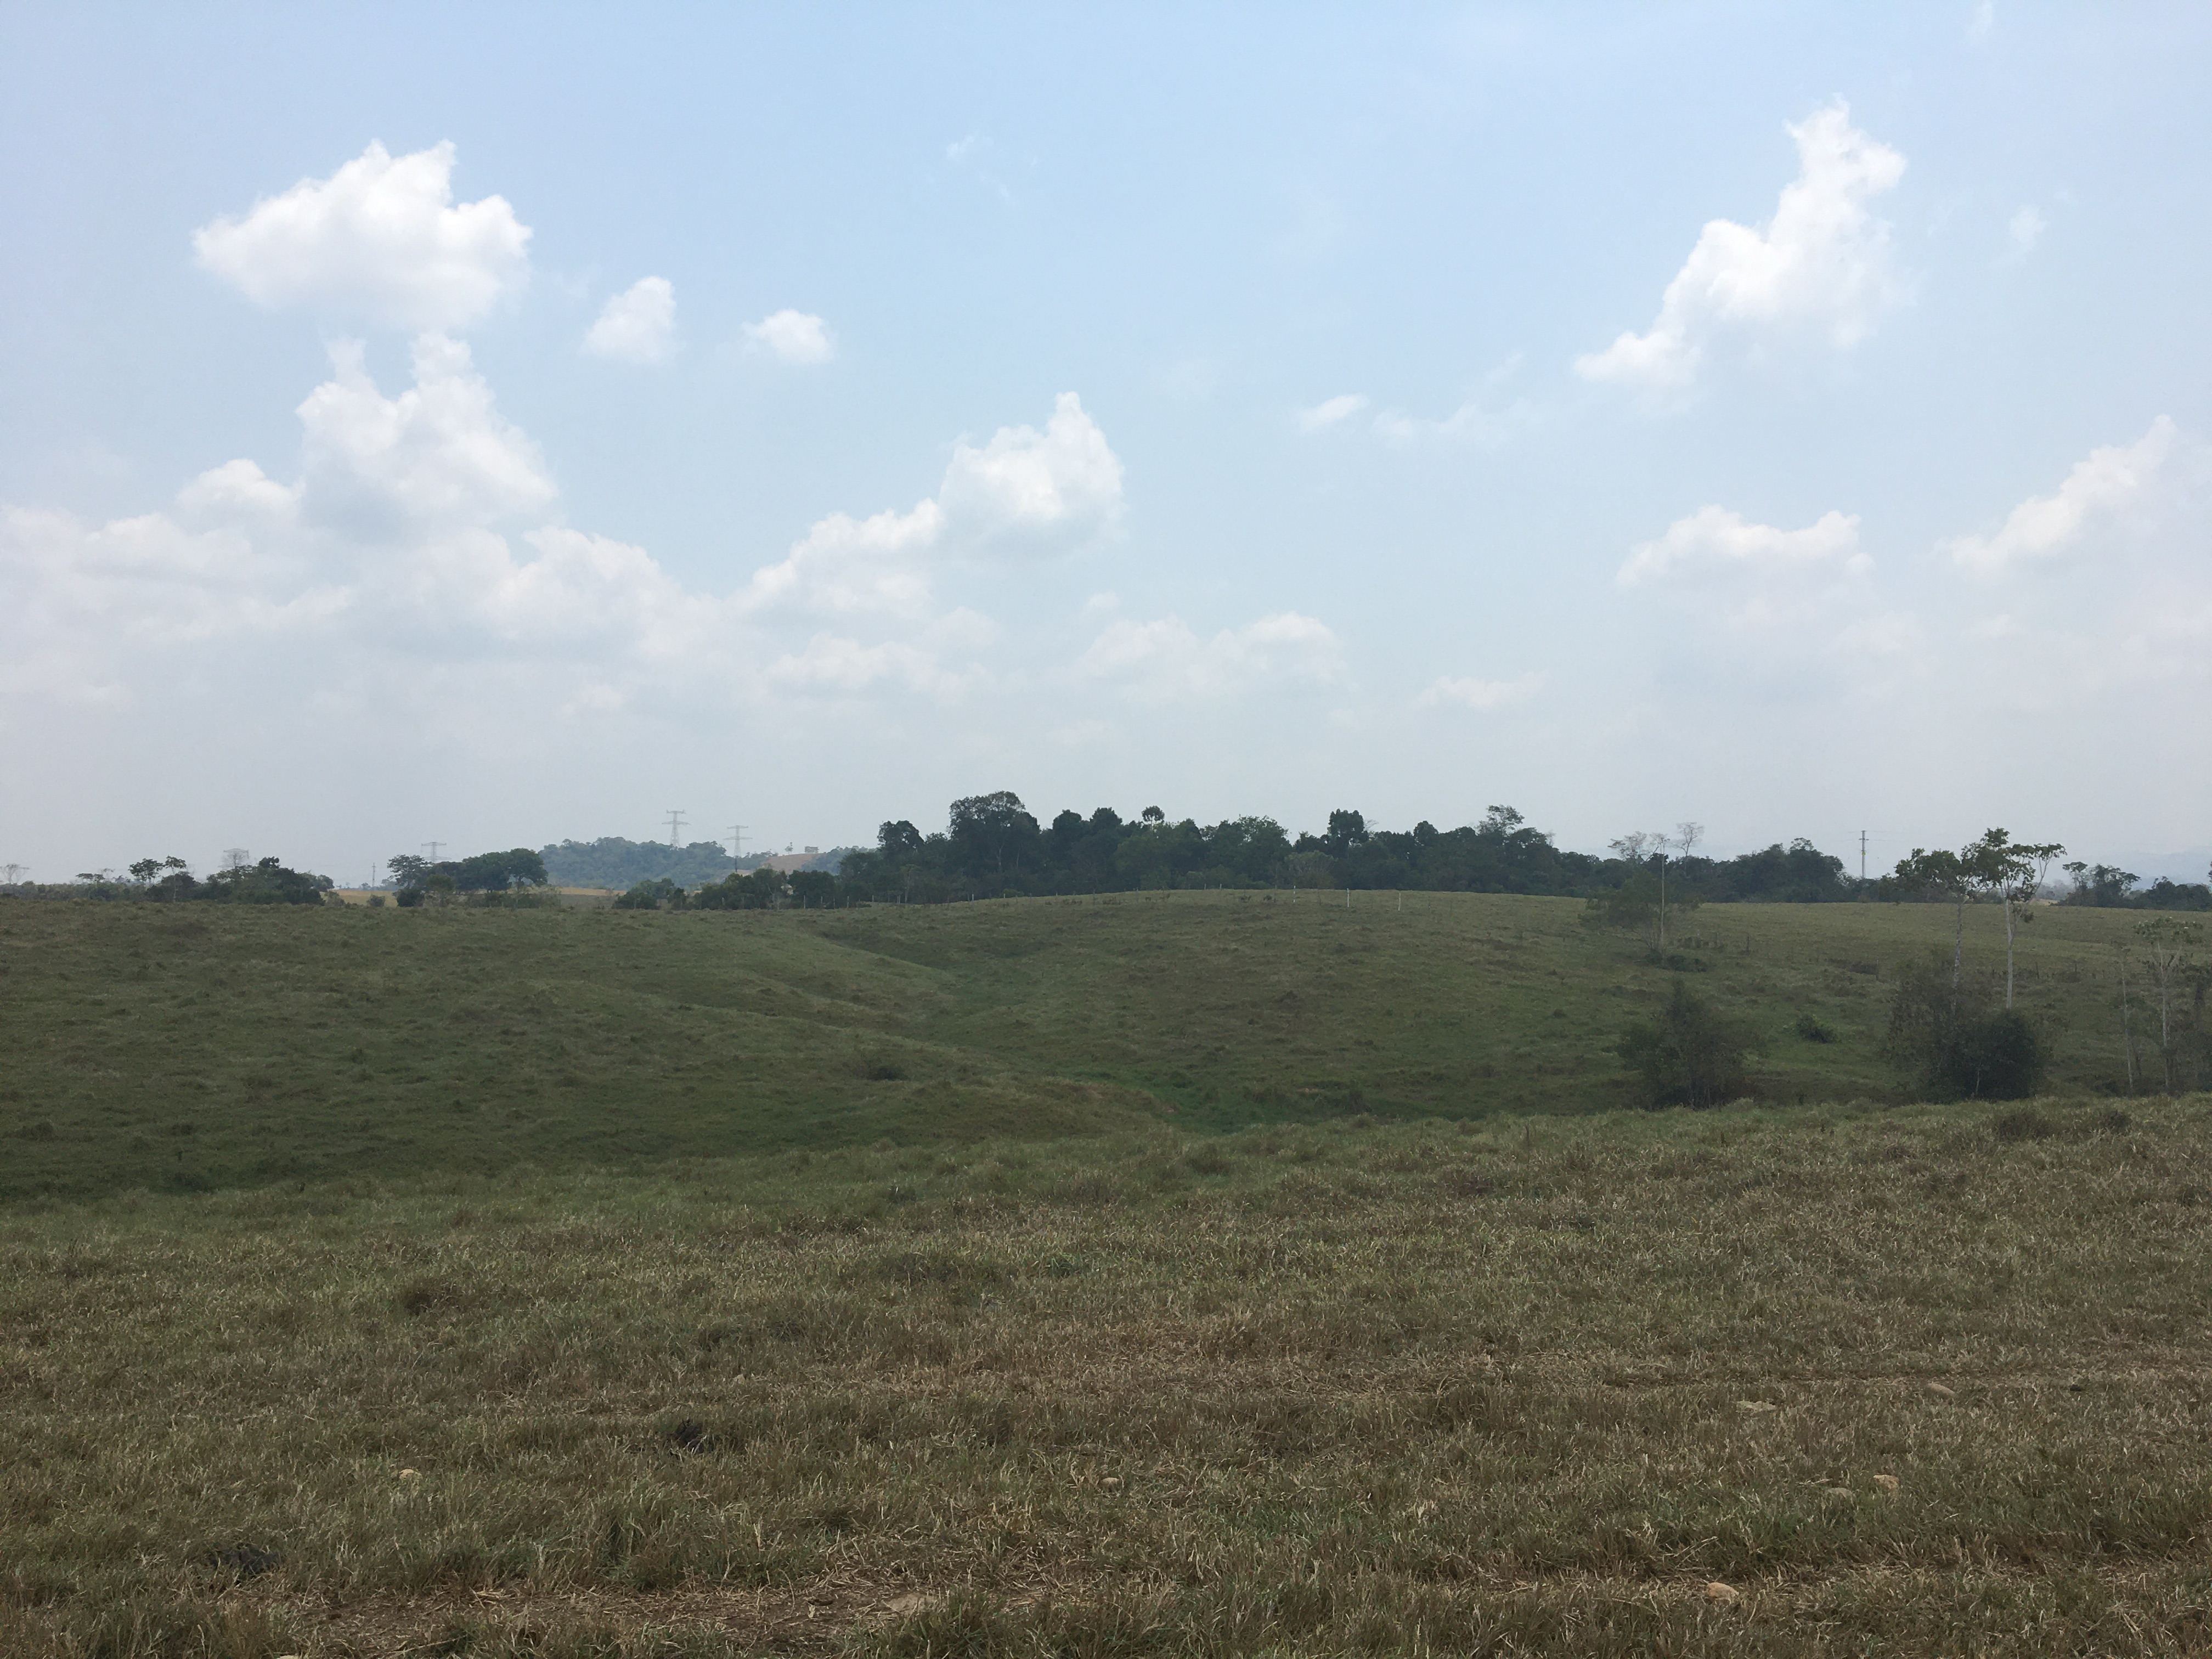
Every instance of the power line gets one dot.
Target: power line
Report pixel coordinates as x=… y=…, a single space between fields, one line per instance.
x=675 y=827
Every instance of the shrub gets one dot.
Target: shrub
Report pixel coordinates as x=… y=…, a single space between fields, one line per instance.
x=1691 y=1055
x=1812 y=1029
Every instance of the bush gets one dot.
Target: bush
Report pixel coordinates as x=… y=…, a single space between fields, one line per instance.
x=1962 y=1046
x=1691 y=1055
x=1814 y=1029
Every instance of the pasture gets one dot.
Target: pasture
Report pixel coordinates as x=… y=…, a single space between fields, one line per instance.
x=1172 y=1276
x=194 y=1047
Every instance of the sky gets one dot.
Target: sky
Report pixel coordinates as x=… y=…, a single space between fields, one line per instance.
x=501 y=424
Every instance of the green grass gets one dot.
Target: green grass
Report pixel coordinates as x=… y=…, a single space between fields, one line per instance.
x=1906 y=1381
x=1200 y=1274
x=190 y=1048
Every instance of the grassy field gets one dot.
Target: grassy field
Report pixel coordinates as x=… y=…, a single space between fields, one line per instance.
x=1194 y=1275
x=1820 y=1382
x=190 y=1048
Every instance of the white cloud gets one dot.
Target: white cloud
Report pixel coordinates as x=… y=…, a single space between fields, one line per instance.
x=1821 y=265
x=1024 y=491
x=1035 y=491
x=2045 y=526
x=439 y=454
x=1164 y=661
x=1982 y=22
x=1713 y=538
x=845 y=564
x=380 y=239
x=1484 y=696
x=2026 y=229
x=796 y=336
x=1330 y=411
x=637 y=326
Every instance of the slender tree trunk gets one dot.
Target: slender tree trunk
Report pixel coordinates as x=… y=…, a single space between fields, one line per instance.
x=2127 y=1027
x=2009 y=933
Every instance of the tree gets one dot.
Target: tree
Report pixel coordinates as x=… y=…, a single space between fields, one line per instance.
x=1940 y=875
x=994 y=827
x=409 y=871
x=1944 y=1030
x=1641 y=847
x=495 y=872
x=2014 y=871
x=2103 y=884
x=2169 y=944
x=1346 y=830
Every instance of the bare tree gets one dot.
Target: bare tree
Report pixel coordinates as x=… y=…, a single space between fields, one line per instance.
x=2169 y=944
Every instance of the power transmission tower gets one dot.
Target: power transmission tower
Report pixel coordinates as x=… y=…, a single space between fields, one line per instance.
x=737 y=842
x=1862 y=858
x=675 y=827
x=432 y=847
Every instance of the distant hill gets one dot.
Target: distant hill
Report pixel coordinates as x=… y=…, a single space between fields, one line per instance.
x=611 y=862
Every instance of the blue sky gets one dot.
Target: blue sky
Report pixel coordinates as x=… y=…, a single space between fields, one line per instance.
x=511 y=423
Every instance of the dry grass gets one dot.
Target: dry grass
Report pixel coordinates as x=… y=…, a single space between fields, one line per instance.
x=1519 y=1387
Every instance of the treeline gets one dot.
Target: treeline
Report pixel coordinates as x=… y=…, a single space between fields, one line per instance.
x=2108 y=886
x=992 y=844
x=994 y=847
x=171 y=881
x=485 y=875
x=612 y=861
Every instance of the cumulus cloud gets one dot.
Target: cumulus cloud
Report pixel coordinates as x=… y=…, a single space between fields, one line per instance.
x=1485 y=697
x=1023 y=492
x=796 y=336
x=380 y=241
x=2025 y=230
x=637 y=326
x=1714 y=537
x=2046 y=527
x=1027 y=491
x=1164 y=661
x=1328 y=412
x=439 y=454
x=1822 y=266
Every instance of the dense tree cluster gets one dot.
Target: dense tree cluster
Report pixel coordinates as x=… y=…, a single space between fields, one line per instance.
x=171 y=881
x=418 y=878
x=991 y=845
x=2108 y=886
x=613 y=861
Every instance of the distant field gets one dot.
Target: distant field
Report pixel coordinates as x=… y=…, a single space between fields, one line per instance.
x=1884 y=1382
x=192 y=1047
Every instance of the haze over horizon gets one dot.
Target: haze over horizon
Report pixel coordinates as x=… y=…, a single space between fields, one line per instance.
x=509 y=426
